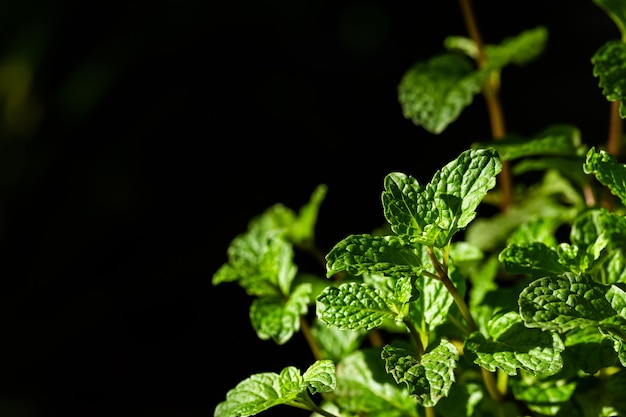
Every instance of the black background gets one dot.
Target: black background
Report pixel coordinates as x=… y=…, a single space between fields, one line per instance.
x=149 y=135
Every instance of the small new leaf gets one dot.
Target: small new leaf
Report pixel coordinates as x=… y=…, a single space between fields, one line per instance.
x=428 y=378
x=298 y=228
x=278 y=319
x=261 y=261
x=431 y=215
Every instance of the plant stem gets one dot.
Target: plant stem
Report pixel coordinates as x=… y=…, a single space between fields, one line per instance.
x=488 y=377
x=613 y=147
x=322 y=412
x=306 y=331
x=614 y=141
x=416 y=336
x=460 y=303
x=492 y=99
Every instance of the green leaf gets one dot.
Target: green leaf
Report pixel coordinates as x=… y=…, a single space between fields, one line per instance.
x=353 y=306
x=572 y=301
x=262 y=391
x=543 y=201
x=321 y=376
x=335 y=343
x=608 y=171
x=544 y=397
x=603 y=397
x=431 y=215
x=609 y=65
x=298 y=228
x=511 y=346
x=261 y=262
x=616 y=267
x=461 y=400
x=589 y=350
x=278 y=319
x=365 y=388
x=428 y=378
x=556 y=140
x=534 y=258
x=431 y=309
x=519 y=50
x=434 y=93
x=537 y=259
x=569 y=168
x=388 y=255
x=540 y=230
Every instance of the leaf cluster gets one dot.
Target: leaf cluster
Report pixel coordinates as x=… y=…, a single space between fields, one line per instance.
x=445 y=311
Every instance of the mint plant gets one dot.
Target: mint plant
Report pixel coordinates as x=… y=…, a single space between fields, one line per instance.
x=498 y=288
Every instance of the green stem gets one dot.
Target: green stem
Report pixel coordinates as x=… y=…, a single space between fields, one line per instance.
x=416 y=336
x=322 y=412
x=614 y=141
x=307 y=403
x=488 y=377
x=503 y=382
x=306 y=331
x=460 y=303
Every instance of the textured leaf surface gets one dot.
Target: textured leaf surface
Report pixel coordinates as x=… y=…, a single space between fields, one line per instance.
x=261 y=262
x=607 y=170
x=321 y=376
x=533 y=258
x=512 y=346
x=609 y=65
x=388 y=255
x=279 y=319
x=572 y=301
x=430 y=377
x=434 y=93
x=353 y=306
x=431 y=215
x=597 y=224
x=262 y=391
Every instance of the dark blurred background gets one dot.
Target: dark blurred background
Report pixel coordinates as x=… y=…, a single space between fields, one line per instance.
x=138 y=139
